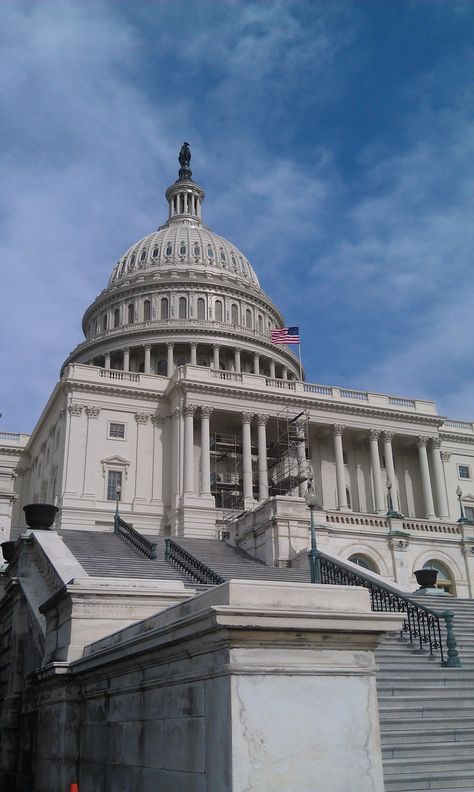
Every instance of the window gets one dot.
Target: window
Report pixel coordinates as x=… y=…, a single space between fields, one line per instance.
x=132 y=261
x=182 y=307
x=116 y=317
x=260 y=324
x=131 y=313
x=196 y=250
x=363 y=561
x=164 y=308
x=469 y=513
x=464 y=471
x=117 y=430
x=348 y=498
x=210 y=252
x=155 y=253
x=143 y=255
x=248 y=318
x=222 y=256
x=201 y=308
x=182 y=249
x=218 y=311
x=104 y=323
x=234 y=263
x=162 y=368
x=169 y=250
x=234 y=313
x=114 y=480
x=146 y=310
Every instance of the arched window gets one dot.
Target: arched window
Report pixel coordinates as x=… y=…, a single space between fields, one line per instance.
x=210 y=252
x=196 y=250
x=182 y=308
x=164 y=308
x=201 y=308
x=104 y=323
x=260 y=323
x=234 y=263
x=248 y=318
x=143 y=255
x=222 y=256
x=116 y=317
x=364 y=562
x=155 y=253
x=131 y=313
x=162 y=368
x=169 y=250
x=234 y=314
x=218 y=311
x=445 y=578
x=146 y=310
x=182 y=249
x=132 y=262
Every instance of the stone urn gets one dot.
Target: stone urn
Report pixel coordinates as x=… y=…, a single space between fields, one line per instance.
x=40 y=515
x=8 y=550
x=426 y=578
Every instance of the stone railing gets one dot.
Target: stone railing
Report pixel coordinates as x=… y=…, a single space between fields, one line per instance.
x=14 y=437
x=464 y=426
x=366 y=520
x=432 y=527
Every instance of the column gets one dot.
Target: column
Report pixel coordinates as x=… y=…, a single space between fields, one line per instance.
x=247 y=456
x=126 y=358
x=422 y=442
x=379 y=500
x=272 y=369
x=439 y=482
x=256 y=364
x=445 y=458
x=262 y=458
x=217 y=364
x=237 y=359
x=175 y=455
x=147 y=358
x=387 y=438
x=284 y=373
x=157 y=473
x=107 y=360
x=193 y=354
x=189 y=411
x=143 y=452
x=90 y=466
x=205 y=451
x=340 y=475
x=170 y=362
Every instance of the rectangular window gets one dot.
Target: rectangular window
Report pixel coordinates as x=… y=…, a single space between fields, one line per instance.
x=114 y=480
x=464 y=471
x=469 y=512
x=117 y=430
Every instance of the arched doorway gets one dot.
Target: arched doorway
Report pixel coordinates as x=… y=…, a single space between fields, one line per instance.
x=445 y=579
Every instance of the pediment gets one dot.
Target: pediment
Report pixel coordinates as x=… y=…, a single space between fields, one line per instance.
x=115 y=460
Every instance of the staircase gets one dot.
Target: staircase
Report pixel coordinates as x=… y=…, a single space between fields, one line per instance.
x=427 y=711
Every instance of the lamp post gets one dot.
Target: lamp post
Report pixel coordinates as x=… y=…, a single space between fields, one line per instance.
x=391 y=511
x=118 y=490
x=462 y=519
x=311 y=502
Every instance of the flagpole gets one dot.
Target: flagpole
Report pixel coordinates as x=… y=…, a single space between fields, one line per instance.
x=299 y=355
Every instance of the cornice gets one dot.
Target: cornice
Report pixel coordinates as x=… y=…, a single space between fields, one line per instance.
x=455 y=438
x=11 y=450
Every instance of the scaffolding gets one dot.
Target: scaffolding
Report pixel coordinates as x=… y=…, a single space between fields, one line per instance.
x=288 y=463
x=289 y=467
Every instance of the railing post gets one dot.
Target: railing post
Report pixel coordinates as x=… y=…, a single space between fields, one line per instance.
x=167 y=550
x=153 y=554
x=453 y=660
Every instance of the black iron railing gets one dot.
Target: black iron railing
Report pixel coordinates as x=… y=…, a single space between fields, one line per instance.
x=194 y=568
x=421 y=627
x=133 y=538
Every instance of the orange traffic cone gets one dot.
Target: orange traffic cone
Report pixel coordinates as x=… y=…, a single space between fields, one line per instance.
x=74 y=788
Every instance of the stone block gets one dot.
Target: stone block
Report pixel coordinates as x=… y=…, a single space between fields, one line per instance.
x=178 y=701
x=125 y=706
x=122 y=779
x=166 y=781
x=152 y=741
x=124 y=743
x=183 y=744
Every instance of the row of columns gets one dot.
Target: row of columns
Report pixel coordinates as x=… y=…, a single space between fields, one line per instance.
x=193 y=360
x=380 y=506
x=189 y=411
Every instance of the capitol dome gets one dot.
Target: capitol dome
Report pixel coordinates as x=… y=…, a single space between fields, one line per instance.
x=183 y=294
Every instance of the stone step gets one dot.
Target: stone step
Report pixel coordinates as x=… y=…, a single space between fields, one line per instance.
x=423 y=692
x=391 y=721
x=438 y=749
x=435 y=734
x=439 y=780
x=430 y=765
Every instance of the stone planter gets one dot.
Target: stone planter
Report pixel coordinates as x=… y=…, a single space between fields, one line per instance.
x=40 y=515
x=8 y=550
x=426 y=578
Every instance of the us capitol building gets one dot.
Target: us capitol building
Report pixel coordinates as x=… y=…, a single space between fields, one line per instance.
x=178 y=406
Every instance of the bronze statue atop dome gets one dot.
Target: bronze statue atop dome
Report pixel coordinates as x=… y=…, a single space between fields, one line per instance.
x=184 y=157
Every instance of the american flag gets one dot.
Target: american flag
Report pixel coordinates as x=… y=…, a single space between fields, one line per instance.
x=286 y=335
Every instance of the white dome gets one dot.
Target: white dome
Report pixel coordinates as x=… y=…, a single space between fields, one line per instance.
x=183 y=245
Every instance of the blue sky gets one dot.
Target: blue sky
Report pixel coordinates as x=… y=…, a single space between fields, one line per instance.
x=335 y=143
